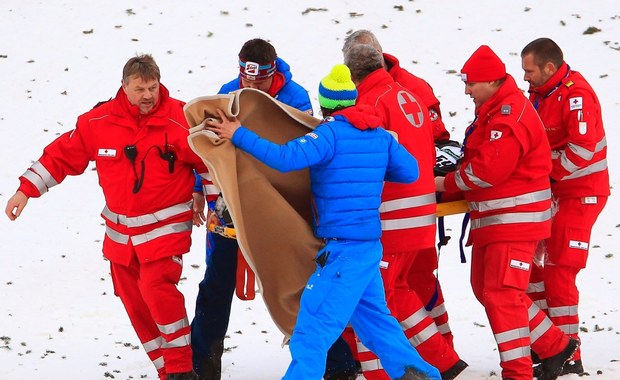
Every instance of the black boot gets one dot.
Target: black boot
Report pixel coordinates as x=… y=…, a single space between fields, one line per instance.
x=413 y=374
x=552 y=367
x=211 y=368
x=452 y=372
x=573 y=366
x=191 y=375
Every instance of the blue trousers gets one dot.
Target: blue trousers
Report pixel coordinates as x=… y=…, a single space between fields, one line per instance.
x=347 y=287
x=213 y=305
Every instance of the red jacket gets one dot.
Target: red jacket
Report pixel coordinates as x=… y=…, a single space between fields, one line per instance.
x=504 y=172
x=407 y=211
x=571 y=113
x=421 y=88
x=154 y=221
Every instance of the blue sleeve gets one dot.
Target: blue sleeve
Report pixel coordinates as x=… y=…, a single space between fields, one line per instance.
x=402 y=166
x=305 y=151
x=198 y=183
x=296 y=96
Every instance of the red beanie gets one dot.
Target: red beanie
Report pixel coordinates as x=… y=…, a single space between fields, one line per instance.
x=483 y=66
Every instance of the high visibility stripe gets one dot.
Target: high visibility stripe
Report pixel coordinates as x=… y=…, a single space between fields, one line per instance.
x=162 y=231
x=515 y=353
x=583 y=152
x=409 y=202
x=210 y=189
x=181 y=341
x=116 y=236
x=44 y=174
x=361 y=347
x=437 y=311
x=159 y=362
x=542 y=304
x=424 y=335
x=469 y=173
x=413 y=319
x=151 y=235
x=570 y=329
x=535 y=287
x=540 y=330
x=153 y=344
x=511 y=335
x=521 y=217
x=371 y=365
x=36 y=181
x=460 y=183
x=146 y=219
x=523 y=199
x=563 y=311
x=174 y=326
x=444 y=328
x=416 y=221
x=594 y=168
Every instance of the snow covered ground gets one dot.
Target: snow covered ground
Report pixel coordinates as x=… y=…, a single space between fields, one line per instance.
x=58 y=315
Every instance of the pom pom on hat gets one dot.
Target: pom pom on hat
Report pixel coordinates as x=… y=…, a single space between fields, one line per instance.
x=483 y=66
x=337 y=90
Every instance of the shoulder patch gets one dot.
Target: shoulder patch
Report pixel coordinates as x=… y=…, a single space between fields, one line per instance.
x=569 y=83
x=313 y=135
x=506 y=109
x=576 y=103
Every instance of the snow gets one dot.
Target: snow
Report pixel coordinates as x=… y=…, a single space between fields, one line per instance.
x=59 y=317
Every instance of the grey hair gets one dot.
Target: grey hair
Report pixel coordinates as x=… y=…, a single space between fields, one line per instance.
x=361 y=36
x=362 y=60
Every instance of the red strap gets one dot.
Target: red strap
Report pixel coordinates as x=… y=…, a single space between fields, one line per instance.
x=245 y=289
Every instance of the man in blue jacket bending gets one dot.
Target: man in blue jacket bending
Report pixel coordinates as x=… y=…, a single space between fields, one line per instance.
x=259 y=68
x=349 y=157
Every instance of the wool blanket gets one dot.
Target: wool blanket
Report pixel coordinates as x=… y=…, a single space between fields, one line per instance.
x=270 y=210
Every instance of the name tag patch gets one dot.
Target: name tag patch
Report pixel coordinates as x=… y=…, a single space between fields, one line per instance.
x=106 y=152
x=520 y=265
x=578 y=244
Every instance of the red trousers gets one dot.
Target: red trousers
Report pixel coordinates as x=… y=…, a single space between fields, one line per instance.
x=500 y=274
x=156 y=310
x=554 y=285
x=397 y=272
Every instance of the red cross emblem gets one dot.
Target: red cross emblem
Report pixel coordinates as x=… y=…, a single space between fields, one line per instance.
x=411 y=108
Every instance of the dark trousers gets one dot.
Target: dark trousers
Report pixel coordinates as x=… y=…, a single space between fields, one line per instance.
x=213 y=305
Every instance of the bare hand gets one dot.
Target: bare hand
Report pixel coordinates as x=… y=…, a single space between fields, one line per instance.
x=15 y=205
x=224 y=129
x=440 y=184
x=198 y=208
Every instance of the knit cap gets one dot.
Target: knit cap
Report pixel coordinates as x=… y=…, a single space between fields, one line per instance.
x=337 y=90
x=483 y=66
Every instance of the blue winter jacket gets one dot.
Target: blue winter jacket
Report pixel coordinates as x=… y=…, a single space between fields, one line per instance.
x=291 y=94
x=349 y=156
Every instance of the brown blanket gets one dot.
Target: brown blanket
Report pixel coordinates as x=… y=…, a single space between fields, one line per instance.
x=270 y=210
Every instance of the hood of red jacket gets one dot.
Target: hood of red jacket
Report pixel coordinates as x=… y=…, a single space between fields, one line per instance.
x=362 y=116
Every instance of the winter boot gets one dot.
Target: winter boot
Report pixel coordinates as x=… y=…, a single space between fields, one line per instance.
x=211 y=368
x=191 y=375
x=413 y=374
x=452 y=372
x=573 y=366
x=342 y=375
x=552 y=367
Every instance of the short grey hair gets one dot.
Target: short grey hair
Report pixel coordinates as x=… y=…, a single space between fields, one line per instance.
x=362 y=60
x=362 y=36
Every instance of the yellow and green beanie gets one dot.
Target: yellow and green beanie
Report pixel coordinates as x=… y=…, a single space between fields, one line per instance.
x=337 y=90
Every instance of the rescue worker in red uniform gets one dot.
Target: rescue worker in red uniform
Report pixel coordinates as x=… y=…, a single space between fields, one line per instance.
x=138 y=141
x=407 y=212
x=422 y=272
x=571 y=113
x=504 y=176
